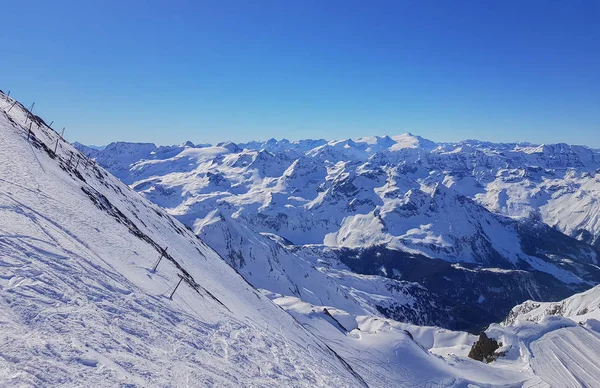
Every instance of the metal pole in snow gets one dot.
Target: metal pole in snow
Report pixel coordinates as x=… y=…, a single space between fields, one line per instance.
x=162 y=254
x=50 y=126
x=29 y=133
x=173 y=293
x=56 y=146
x=62 y=134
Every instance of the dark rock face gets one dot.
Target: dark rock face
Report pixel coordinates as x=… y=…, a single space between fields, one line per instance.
x=484 y=349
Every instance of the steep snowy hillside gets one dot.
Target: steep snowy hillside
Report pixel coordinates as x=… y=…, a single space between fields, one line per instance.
x=81 y=305
x=545 y=347
x=473 y=223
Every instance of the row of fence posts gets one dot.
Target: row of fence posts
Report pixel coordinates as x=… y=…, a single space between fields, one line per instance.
x=181 y=278
x=27 y=118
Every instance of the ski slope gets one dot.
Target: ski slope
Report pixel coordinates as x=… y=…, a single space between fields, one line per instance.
x=557 y=342
x=394 y=354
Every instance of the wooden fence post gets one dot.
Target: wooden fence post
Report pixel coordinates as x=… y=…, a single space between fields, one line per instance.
x=29 y=113
x=13 y=104
x=162 y=254
x=180 y=280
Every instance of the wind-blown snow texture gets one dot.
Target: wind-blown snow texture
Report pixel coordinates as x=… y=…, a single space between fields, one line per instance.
x=355 y=223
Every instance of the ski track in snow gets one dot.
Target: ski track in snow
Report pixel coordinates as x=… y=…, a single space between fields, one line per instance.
x=562 y=358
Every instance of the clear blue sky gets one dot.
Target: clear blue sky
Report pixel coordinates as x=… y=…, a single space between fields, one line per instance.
x=505 y=70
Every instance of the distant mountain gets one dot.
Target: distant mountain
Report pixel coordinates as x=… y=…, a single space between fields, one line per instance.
x=479 y=226
x=91 y=151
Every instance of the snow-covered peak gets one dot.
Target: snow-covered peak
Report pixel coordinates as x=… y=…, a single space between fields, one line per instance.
x=409 y=140
x=187 y=144
x=232 y=147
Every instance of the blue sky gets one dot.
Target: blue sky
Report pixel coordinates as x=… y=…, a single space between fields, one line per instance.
x=167 y=72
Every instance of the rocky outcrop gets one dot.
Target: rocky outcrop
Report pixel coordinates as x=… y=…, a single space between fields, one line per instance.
x=484 y=349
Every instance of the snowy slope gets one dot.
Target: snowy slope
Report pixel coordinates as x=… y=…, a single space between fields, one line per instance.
x=400 y=355
x=554 y=351
x=270 y=265
x=558 y=342
x=79 y=301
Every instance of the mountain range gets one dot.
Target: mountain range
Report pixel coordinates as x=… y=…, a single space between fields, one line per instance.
x=472 y=227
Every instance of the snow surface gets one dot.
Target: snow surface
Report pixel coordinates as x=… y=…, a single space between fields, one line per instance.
x=554 y=351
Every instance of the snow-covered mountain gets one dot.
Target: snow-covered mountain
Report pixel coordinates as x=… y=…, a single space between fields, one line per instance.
x=357 y=223
x=551 y=345
x=81 y=303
